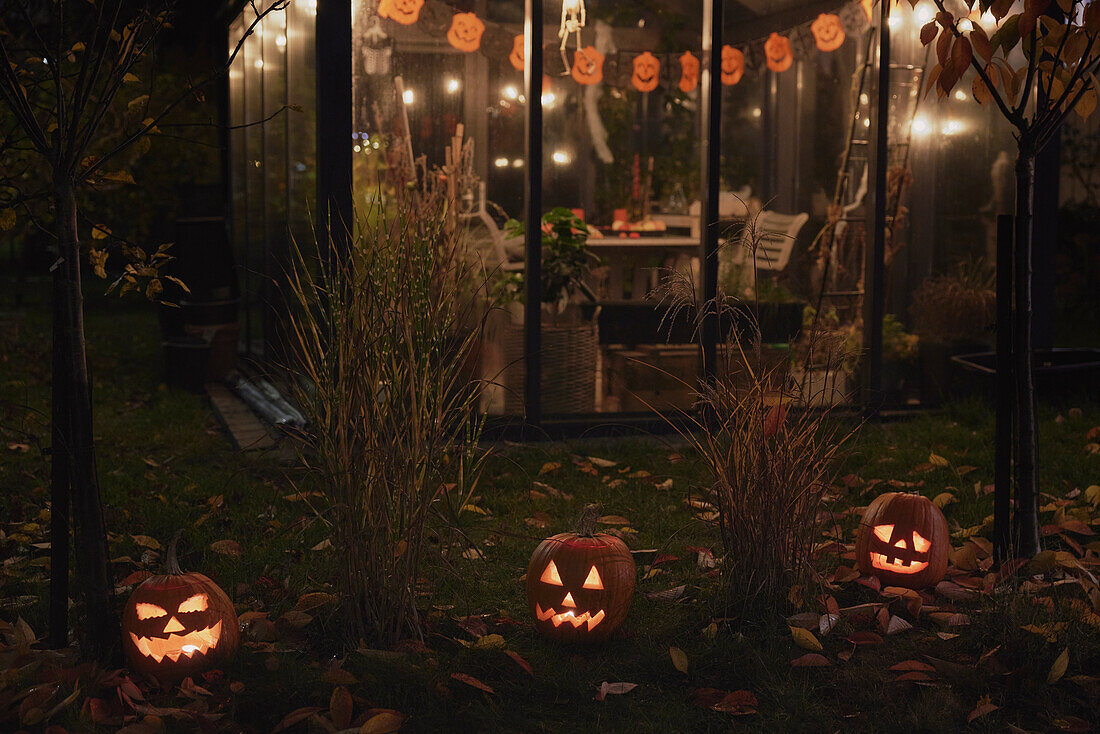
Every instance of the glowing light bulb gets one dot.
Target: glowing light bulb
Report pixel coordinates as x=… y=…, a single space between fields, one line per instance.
x=895 y=21
x=517 y=163
x=501 y=162
x=548 y=99
x=452 y=85
x=408 y=96
x=280 y=41
x=756 y=112
x=561 y=157
x=924 y=13
x=921 y=126
x=960 y=95
x=510 y=92
x=258 y=63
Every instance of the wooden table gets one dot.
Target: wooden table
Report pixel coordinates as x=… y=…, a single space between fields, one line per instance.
x=632 y=263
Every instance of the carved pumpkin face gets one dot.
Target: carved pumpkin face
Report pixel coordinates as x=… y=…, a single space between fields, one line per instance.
x=733 y=65
x=579 y=586
x=689 y=72
x=516 y=57
x=777 y=53
x=647 y=67
x=178 y=625
x=405 y=12
x=903 y=539
x=828 y=33
x=587 y=66
x=465 y=32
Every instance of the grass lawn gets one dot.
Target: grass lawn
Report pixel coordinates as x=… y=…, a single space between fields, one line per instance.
x=165 y=464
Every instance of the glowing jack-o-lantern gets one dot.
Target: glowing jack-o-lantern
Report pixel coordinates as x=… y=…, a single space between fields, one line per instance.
x=903 y=540
x=733 y=65
x=405 y=12
x=777 y=53
x=579 y=584
x=647 y=68
x=587 y=66
x=828 y=33
x=178 y=624
x=689 y=72
x=465 y=32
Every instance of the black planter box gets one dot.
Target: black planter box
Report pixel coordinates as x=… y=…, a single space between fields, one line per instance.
x=632 y=322
x=1060 y=374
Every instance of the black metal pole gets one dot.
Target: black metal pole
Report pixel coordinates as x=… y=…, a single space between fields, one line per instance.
x=532 y=336
x=875 y=307
x=710 y=137
x=333 y=44
x=1002 y=472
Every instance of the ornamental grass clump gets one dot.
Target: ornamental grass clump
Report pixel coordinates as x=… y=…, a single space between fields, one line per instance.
x=383 y=342
x=772 y=460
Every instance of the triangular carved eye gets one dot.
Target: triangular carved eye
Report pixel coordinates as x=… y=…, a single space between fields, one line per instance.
x=550 y=575
x=149 y=611
x=920 y=543
x=196 y=603
x=884 y=532
x=593 y=581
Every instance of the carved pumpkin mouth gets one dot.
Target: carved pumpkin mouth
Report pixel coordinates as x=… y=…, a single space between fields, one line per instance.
x=175 y=646
x=901 y=565
x=570 y=616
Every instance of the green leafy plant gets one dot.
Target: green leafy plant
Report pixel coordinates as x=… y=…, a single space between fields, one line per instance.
x=566 y=259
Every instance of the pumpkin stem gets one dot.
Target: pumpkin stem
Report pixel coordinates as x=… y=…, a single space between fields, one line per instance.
x=172 y=563
x=586 y=523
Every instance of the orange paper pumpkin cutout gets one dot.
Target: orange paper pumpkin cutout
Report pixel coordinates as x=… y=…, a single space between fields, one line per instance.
x=516 y=57
x=828 y=33
x=866 y=5
x=465 y=32
x=587 y=66
x=777 y=52
x=647 y=68
x=733 y=65
x=405 y=12
x=689 y=72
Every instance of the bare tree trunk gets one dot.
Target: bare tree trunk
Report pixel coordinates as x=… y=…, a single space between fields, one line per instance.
x=100 y=638
x=1026 y=528
x=60 y=462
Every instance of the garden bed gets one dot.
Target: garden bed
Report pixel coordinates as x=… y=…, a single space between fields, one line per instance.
x=256 y=526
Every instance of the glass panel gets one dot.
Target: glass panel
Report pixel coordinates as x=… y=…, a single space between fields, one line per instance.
x=237 y=159
x=276 y=117
x=301 y=122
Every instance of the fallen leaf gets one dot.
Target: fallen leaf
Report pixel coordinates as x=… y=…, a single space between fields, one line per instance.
x=521 y=662
x=146 y=541
x=472 y=682
x=984 y=707
x=549 y=467
x=226 y=547
x=805 y=639
x=613 y=520
x=385 y=722
x=614 y=689
x=679 y=659
x=1058 y=669
x=810 y=660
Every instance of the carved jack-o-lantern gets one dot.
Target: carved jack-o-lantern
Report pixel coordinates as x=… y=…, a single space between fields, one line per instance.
x=689 y=72
x=828 y=33
x=516 y=57
x=579 y=584
x=903 y=539
x=405 y=12
x=178 y=625
x=465 y=32
x=647 y=68
x=733 y=65
x=777 y=52
x=587 y=65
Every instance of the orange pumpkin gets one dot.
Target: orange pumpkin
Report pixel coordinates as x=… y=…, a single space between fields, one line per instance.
x=828 y=33
x=465 y=32
x=689 y=72
x=733 y=65
x=866 y=5
x=647 y=68
x=579 y=584
x=903 y=540
x=178 y=625
x=777 y=53
x=516 y=57
x=587 y=66
x=405 y=12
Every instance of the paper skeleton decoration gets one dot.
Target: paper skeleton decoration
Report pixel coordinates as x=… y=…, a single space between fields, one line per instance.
x=573 y=18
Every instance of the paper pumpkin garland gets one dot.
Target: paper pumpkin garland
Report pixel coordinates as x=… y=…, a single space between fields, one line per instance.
x=903 y=540
x=465 y=32
x=587 y=66
x=516 y=56
x=733 y=65
x=689 y=72
x=405 y=12
x=647 y=69
x=777 y=53
x=828 y=32
x=178 y=624
x=579 y=584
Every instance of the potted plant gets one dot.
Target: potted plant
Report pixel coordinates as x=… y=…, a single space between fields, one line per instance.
x=899 y=357
x=570 y=337
x=952 y=314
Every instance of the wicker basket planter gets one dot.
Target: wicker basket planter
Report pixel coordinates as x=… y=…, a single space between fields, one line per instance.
x=570 y=349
